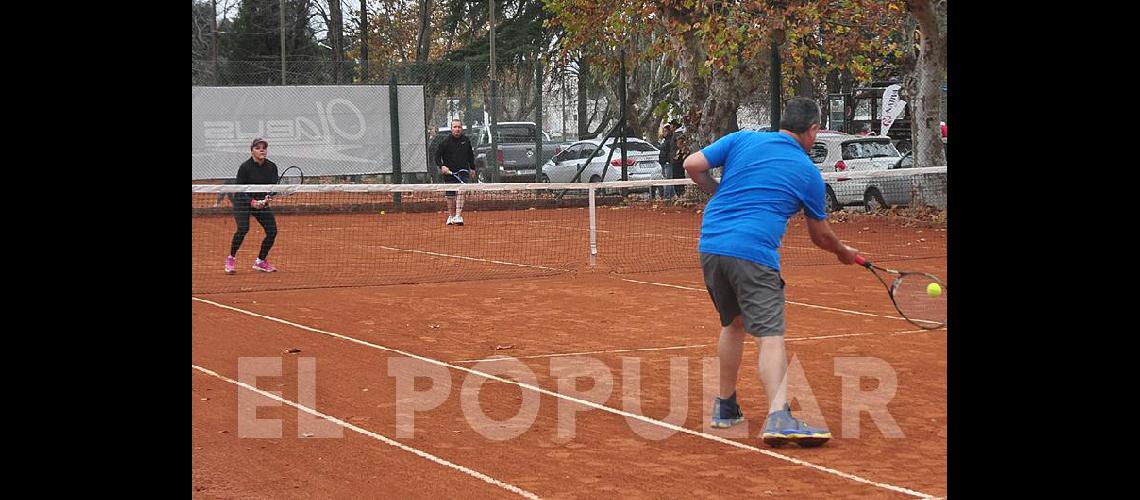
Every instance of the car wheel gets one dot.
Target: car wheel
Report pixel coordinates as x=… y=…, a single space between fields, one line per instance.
x=597 y=178
x=831 y=203
x=873 y=200
x=545 y=178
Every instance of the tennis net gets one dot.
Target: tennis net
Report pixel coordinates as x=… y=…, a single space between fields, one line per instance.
x=336 y=235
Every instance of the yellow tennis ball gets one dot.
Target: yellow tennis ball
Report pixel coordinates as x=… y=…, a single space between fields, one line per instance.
x=381 y=212
x=933 y=290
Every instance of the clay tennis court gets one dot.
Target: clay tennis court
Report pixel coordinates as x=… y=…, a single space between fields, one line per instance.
x=573 y=334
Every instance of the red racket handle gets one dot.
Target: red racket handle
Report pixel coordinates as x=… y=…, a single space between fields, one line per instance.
x=860 y=260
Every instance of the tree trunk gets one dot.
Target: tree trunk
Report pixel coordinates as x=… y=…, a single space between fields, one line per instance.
x=423 y=38
x=931 y=73
x=805 y=87
x=713 y=100
x=693 y=91
x=719 y=110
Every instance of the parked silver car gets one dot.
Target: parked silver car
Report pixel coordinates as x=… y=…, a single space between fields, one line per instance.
x=641 y=159
x=839 y=153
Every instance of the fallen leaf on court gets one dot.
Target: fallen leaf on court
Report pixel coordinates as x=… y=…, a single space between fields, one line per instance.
x=292 y=351
x=433 y=326
x=307 y=434
x=504 y=346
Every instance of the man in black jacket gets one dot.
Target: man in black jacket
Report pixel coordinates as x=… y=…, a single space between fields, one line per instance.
x=456 y=161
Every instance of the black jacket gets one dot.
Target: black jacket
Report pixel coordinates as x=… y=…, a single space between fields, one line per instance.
x=252 y=173
x=456 y=153
x=668 y=149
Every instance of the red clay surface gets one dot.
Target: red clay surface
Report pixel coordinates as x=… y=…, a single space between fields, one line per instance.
x=566 y=313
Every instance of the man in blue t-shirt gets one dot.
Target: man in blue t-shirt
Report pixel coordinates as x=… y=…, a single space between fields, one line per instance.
x=767 y=178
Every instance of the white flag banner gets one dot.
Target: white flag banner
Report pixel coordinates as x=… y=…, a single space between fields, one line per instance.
x=890 y=108
x=895 y=113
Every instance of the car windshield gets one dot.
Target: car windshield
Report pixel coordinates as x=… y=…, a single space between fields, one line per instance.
x=857 y=150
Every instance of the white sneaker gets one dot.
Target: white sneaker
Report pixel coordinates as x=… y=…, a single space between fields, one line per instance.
x=450 y=220
x=457 y=220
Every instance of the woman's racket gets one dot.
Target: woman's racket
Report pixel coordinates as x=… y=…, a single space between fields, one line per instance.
x=919 y=297
x=291 y=175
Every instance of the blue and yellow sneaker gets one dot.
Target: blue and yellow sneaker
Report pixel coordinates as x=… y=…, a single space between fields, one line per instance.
x=726 y=413
x=781 y=428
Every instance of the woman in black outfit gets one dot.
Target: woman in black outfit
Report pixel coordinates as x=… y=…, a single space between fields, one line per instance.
x=256 y=170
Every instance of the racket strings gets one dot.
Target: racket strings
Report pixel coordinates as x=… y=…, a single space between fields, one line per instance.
x=291 y=175
x=917 y=302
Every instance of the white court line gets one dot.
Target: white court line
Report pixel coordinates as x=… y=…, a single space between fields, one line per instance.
x=518 y=242
x=673 y=348
x=583 y=402
x=840 y=335
x=471 y=258
x=476 y=474
x=582 y=353
x=673 y=236
x=846 y=311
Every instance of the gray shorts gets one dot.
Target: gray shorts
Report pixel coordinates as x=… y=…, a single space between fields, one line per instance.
x=745 y=288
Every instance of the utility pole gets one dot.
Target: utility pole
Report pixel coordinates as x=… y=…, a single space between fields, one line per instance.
x=281 y=5
x=493 y=157
x=214 y=36
x=363 y=42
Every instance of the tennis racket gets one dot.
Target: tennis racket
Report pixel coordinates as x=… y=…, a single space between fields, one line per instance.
x=919 y=297
x=455 y=173
x=291 y=175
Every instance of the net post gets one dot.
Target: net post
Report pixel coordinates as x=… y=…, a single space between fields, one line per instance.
x=538 y=161
x=394 y=115
x=593 y=231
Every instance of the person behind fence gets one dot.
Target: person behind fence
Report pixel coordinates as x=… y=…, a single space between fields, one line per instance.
x=665 y=158
x=456 y=162
x=675 y=157
x=767 y=178
x=256 y=170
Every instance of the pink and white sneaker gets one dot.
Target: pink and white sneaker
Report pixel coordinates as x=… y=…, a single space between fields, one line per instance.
x=229 y=264
x=263 y=266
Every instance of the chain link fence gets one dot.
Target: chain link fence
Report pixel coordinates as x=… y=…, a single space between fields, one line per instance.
x=566 y=107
